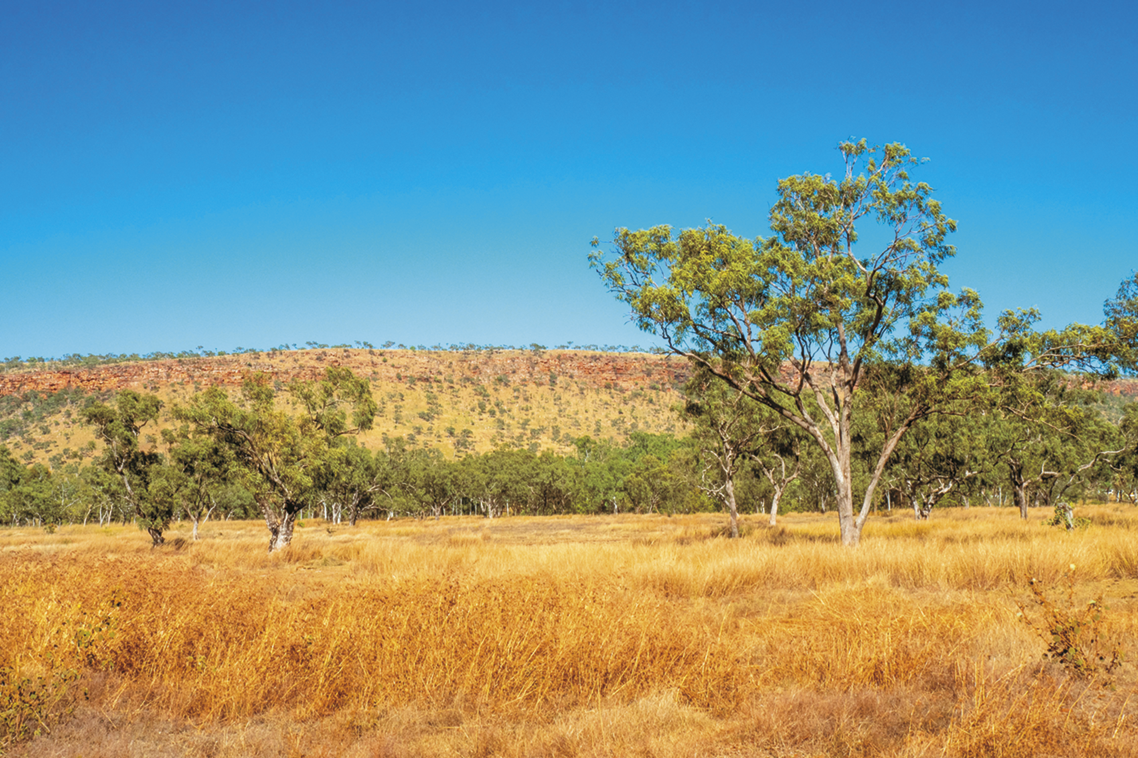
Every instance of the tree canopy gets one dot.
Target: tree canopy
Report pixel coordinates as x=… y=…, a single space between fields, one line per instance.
x=795 y=321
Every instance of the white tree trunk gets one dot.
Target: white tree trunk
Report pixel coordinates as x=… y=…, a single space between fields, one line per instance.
x=280 y=530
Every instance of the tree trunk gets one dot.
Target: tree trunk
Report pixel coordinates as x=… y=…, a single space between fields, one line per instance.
x=774 y=505
x=1020 y=492
x=729 y=497
x=844 y=501
x=155 y=535
x=280 y=529
x=1068 y=516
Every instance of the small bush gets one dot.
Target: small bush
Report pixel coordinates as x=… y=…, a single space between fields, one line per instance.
x=31 y=705
x=1073 y=634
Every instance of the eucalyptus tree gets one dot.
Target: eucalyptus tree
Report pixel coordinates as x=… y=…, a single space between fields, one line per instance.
x=283 y=455
x=28 y=494
x=553 y=482
x=652 y=484
x=1122 y=319
x=435 y=481
x=69 y=492
x=119 y=428
x=937 y=456
x=104 y=495
x=601 y=471
x=779 y=460
x=794 y=321
x=502 y=481
x=730 y=429
x=658 y=472
x=1126 y=466
x=198 y=467
x=1048 y=436
x=10 y=474
x=356 y=479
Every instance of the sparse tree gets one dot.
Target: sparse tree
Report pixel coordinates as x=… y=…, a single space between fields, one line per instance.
x=198 y=467
x=284 y=456
x=729 y=430
x=1122 y=319
x=120 y=428
x=1047 y=436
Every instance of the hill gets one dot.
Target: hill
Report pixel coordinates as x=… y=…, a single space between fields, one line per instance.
x=453 y=400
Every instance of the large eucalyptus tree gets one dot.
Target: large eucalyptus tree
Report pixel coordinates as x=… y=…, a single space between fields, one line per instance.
x=795 y=320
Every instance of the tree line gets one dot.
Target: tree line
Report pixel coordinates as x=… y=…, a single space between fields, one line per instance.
x=280 y=454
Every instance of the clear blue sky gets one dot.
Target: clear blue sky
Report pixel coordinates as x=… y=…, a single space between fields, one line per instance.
x=249 y=174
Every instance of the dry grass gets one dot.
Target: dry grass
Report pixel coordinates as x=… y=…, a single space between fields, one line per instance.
x=575 y=636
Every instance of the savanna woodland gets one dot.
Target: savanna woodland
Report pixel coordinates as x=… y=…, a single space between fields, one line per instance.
x=840 y=512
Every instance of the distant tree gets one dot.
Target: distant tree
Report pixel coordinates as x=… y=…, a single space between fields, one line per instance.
x=1122 y=319
x=284 y=456
x=553 y=482
x=728 y=427
x=937 y=456
x=502 y=480
x=356 y=480
x=1048 y=437
x=27 y=494
x=11 y=472
x=1125 y=467
x=104 y=494
x=426 y=482
x=600 y=471
x=199 y=466
x=119 y=428
x=779 y=460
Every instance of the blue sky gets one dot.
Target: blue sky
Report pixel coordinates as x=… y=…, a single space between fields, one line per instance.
x=250 y=174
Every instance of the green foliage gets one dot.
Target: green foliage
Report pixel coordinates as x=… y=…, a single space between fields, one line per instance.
x=1047 y=434
x=801 y=322
x=1065 y=517
x=119 y=427
x=283 y=458
x=799 y=316
x=32 y=498
x=21 y=414
x=1122 y=319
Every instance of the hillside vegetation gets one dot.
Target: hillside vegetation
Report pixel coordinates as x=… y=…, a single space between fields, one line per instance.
x=455 y=401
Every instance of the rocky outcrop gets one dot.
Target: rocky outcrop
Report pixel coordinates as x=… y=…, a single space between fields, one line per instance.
x=618 y=370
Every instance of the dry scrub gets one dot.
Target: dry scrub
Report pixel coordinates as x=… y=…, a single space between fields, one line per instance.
x=591 y=636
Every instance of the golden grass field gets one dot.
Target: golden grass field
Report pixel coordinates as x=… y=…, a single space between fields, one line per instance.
x=568 y=636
